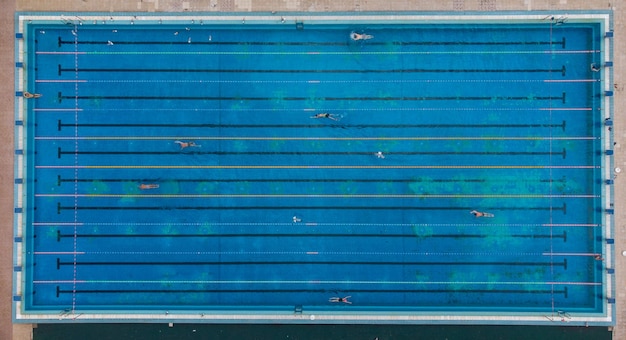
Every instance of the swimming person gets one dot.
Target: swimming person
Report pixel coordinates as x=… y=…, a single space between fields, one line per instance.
x=356 y=36
x=29 y=95
x=481 y=214
x=187 y=144
x=338 y=300
x=594 y=67
x=296 y=219
x=148 y=186
x=379 y=154
x=326 y=115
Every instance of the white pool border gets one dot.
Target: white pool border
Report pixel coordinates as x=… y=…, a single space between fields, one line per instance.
x=306 y=317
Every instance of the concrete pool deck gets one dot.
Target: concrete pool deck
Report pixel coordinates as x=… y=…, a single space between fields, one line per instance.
x=7 y=34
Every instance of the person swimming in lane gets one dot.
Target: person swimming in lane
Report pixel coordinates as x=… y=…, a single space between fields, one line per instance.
x=143 y=186
x=356 y=36
x=184 y=145
x=481 y=214
x=340 y=300
x=29 y=95
x=326 y=115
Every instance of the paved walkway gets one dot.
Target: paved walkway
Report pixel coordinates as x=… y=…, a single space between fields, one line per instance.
x=7 y=7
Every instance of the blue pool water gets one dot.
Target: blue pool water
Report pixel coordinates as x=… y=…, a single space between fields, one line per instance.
x=273 y=209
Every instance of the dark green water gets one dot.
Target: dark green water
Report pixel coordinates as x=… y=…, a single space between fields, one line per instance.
x=300 y=332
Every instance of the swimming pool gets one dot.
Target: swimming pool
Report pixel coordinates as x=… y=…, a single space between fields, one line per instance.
x=256 y=168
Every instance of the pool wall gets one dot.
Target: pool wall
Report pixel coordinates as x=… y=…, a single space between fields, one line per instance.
x=22 y=204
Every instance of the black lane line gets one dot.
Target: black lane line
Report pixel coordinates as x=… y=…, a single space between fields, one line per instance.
x=60 y=70
x=61 y=97
x=314 y=43
x=310 y=126
x=249 y=235
x=60 y=291
x=331 y=207
x=275 y=180
x=299 y=263
x=312 y=153
x=288 y=180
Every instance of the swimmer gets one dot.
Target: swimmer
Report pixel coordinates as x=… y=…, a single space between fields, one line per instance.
x=325 y=115
x=29 y=95
x=148 y=186
x=379 y=154
x=184 y=145
x=481 y=214
x=594 y=67
x=110 y=43
x=338 y=300
x=356 y=36
x=296 y=219
x=598 y=257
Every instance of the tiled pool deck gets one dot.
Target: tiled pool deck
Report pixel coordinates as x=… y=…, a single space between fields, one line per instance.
x=8 y=7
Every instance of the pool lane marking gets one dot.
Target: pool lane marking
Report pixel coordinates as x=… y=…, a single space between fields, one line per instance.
x=562 y=98
x=332 y=282
x=62 y=52
x=320 y=224
x=307 y=180
x=562 y=153
x=313 y=196
x=526 y=109
x=308 y=262
x=248 y=290
x=342 y=44
x=60 y=208
x=340 y=53
x=370 y=81
x=61 y=81
x=561 y=70
x=60 y=125
x=291 y=235
x=551 y=257
x=323 y=253
x=171 y=138
x=317 y=166
x=69 y=109
x=569 y=254
x=76 y=106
